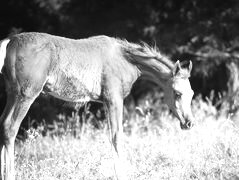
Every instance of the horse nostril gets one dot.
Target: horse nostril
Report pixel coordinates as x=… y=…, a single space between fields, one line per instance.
x=189 y=124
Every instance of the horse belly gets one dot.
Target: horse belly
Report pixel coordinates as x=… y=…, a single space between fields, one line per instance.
x=73 y=89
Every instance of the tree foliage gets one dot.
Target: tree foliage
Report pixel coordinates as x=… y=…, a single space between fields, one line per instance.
x=203 y=31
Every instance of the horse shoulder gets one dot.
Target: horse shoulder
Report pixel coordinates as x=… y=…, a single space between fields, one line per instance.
x=119 y=72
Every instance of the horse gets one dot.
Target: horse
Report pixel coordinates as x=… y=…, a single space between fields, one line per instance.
x=98 y=68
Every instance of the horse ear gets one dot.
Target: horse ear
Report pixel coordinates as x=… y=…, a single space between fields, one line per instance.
x=177 y=68
x=190 y=66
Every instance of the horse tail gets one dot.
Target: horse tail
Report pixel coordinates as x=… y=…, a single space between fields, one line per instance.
x=3 y=51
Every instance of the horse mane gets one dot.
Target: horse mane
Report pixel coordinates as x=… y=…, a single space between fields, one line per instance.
x=142 y=55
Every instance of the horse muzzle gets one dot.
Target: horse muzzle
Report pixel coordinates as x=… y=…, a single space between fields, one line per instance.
x=187 y=125
x=186 y=121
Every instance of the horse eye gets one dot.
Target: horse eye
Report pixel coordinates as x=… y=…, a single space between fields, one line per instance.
x=177 y=95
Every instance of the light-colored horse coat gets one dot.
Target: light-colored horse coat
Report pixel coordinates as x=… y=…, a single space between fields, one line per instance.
x=98 y=68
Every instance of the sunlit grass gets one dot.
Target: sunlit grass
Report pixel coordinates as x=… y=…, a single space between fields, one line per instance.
x=158 y=151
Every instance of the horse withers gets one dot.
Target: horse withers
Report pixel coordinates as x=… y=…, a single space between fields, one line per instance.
x=98 y=68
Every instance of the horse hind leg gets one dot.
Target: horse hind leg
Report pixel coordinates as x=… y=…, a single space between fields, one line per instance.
x=14 y=112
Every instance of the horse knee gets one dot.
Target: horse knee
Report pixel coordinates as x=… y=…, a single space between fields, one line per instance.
x=7 y=134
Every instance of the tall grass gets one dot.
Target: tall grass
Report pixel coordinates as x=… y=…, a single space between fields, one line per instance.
x=155 y=148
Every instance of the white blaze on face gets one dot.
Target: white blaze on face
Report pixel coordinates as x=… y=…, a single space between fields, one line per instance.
x=182 y=96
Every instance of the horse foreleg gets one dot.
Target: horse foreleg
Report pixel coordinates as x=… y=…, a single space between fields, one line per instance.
x=115 y=117
x=2 y=161
x=7 y=162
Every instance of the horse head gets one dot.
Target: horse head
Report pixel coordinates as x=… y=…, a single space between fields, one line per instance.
x=179 y=94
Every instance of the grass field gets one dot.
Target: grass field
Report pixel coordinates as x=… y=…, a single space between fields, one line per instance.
x=156 y=149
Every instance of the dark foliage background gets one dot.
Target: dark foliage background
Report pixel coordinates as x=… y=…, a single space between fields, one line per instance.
x=206 y=32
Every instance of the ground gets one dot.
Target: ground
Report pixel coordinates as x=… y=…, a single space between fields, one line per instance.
x=210 y=150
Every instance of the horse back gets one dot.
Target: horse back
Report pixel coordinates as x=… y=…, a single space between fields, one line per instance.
x=69 y=69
